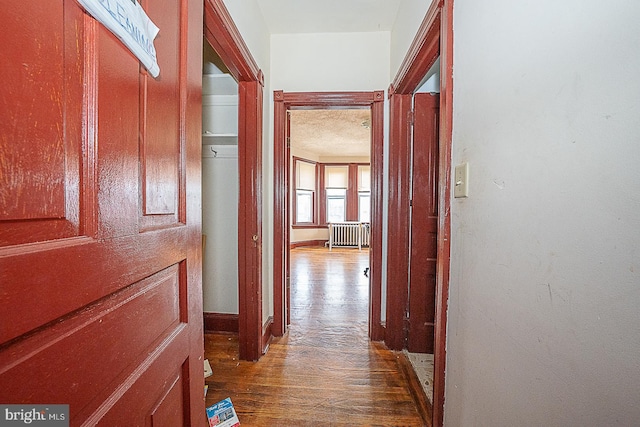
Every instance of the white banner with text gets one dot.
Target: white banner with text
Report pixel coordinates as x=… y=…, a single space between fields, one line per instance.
x=129 y=22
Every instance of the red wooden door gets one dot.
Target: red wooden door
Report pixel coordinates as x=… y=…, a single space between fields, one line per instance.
x=100 y=254
x=424 y=223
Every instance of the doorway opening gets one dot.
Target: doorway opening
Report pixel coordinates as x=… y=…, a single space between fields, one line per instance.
x=331 y=197
x=219 y=194
x=225 y=39
x=433 y=40
x=330 y=200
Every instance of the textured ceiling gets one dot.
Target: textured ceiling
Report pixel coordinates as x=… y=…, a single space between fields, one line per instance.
x=328 y=16
x=332 y=132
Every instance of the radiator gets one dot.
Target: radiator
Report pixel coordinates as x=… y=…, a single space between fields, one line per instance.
x=349 y=234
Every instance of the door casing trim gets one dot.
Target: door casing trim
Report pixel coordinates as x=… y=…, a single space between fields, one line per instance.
x=224 y=37
x=284 y=101
x=434 y=38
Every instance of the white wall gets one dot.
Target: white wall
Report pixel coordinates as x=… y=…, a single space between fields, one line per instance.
x=544 y=310
x=220 y=226
x=248 y=18
x=410 y=15
x=330 y=62
x=333 y=62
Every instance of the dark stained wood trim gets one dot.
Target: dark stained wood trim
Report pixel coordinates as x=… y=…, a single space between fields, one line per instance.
x=415 y=388
x=424 y=224
x=322 y=197
x=398 y=219
x=221 y=32
x=309 y=100
x=267 y=335
x=308 y=226
x=422 y=53
x=250 y=219
x=352 y=193
x=444 y=216
x=220 y=322
x=280 y=226
x=223 y=35
x=376 y=330
x=287 y=221
x=436 y=30
x=331 y=99
x=307 y=243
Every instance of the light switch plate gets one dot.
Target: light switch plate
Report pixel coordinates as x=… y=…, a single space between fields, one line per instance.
x=461 y=181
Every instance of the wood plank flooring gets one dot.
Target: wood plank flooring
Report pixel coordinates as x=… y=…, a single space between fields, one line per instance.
x=324 y=371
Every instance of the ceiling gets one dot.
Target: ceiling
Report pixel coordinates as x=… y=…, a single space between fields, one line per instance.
x=332 y=133
x=328 y=16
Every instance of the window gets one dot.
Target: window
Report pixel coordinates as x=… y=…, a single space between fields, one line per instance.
x=336 y=180
x=364 y=193
x=304 y=206
x=305 y=173
x=364 y=206
x=336 y=204
x=324 y=193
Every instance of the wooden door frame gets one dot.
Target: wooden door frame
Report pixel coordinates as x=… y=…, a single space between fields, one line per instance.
x=224 y=37
x=434 y=38
x=284 y=101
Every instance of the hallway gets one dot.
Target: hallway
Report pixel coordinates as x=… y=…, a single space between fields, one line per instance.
x=324 y=371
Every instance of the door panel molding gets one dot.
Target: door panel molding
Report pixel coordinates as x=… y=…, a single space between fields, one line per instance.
x=424 y=218
x=105 y=298
x=45 y=160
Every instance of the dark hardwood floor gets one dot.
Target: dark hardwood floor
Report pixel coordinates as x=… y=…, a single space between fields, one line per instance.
x=325 y=371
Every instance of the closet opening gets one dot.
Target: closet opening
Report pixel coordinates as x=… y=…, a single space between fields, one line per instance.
x=220 y=188
x=254 y=329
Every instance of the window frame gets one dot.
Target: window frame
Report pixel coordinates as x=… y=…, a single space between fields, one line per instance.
x=314 y=196
x=367 y=194
x=329 y=197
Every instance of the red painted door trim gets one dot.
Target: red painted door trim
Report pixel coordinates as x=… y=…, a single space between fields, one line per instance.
x=436 y=34
x=224 y=37
x=250 y=220
x=398 y=217
x=424 y=223
x=283 y=102
x=280 y=210
x=376 y=330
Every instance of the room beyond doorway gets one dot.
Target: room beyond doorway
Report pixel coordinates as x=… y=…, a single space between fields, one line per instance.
x=284 y=103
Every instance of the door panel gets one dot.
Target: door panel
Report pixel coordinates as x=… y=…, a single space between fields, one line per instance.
x=161 y=99
x=39 y=156
x=100 y=263
x=424 y=223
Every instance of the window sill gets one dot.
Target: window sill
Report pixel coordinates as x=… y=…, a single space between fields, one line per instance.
x=308 y=226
